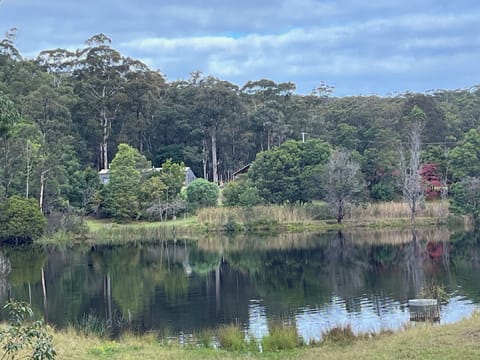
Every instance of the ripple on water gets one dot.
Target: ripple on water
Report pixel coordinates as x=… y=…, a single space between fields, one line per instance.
x=371 y=315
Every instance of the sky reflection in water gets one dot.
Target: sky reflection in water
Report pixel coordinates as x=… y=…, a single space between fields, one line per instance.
x=315 y=281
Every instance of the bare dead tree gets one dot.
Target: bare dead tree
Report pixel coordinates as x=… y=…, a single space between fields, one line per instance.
x=413 y=187
x=343 y=183
x=161 y=209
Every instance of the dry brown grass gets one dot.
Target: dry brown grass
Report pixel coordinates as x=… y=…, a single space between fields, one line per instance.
x=278 y=213
x=284 y=214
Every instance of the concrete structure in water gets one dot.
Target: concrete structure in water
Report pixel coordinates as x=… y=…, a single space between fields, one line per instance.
x=424 y=310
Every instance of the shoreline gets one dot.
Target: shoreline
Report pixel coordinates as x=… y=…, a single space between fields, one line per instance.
x=108 y=232
x=425 y=341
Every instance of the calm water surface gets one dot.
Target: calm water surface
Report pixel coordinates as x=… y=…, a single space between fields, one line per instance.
x=316 y=281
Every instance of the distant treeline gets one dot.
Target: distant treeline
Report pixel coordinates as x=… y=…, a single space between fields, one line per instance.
x=66 y=111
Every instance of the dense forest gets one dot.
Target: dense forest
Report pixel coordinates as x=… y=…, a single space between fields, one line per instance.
x=64 y=114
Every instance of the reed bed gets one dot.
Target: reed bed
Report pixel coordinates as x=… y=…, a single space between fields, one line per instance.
x=258 y=216
x=277 y=213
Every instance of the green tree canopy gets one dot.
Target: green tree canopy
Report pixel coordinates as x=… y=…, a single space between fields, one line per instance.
x=9 y=117
x=122 y=198
x=465 y=197
x=241 y=192
x=289 y=173
x=173 y=177
x=465 y=158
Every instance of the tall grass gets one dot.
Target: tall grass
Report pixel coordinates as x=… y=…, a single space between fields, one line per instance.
x=341 y=336
x=231 y=337
x=281 y=337
x=254 y=217
x=92 y=325
x=205 y=338
x=276 y=213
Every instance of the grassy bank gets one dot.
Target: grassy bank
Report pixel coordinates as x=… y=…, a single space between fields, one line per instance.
x=426 y=341
x=274 y=218
x=106 y=231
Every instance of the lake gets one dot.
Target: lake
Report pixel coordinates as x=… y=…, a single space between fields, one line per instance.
x=361 y=279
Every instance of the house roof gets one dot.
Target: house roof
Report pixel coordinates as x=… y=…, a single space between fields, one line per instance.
x=242 y=170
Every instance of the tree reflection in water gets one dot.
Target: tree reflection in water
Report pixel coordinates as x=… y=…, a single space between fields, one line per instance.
x=317 y=281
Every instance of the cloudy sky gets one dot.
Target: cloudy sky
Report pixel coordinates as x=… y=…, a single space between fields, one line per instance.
x=358 y=46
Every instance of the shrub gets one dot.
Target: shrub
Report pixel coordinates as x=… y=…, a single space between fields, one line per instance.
x=434 y=291
x=241 y=193
x=231 y=225
x=21 y=220
x=67 y=222
x=202 y=193
x=383 y=191
x=21 y=337
x=339 y=336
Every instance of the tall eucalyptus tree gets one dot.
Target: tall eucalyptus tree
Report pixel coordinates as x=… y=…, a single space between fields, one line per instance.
x=49 y=110
x=100 y=72
x=9 y=118
x=268 y=109
x=217 y=103
x=145 y=94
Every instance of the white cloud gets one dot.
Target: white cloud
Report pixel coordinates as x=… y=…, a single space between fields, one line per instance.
x=378 y=45
x=387 y=44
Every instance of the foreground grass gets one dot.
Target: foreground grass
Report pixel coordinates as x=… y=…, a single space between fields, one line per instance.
x=456 y=341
